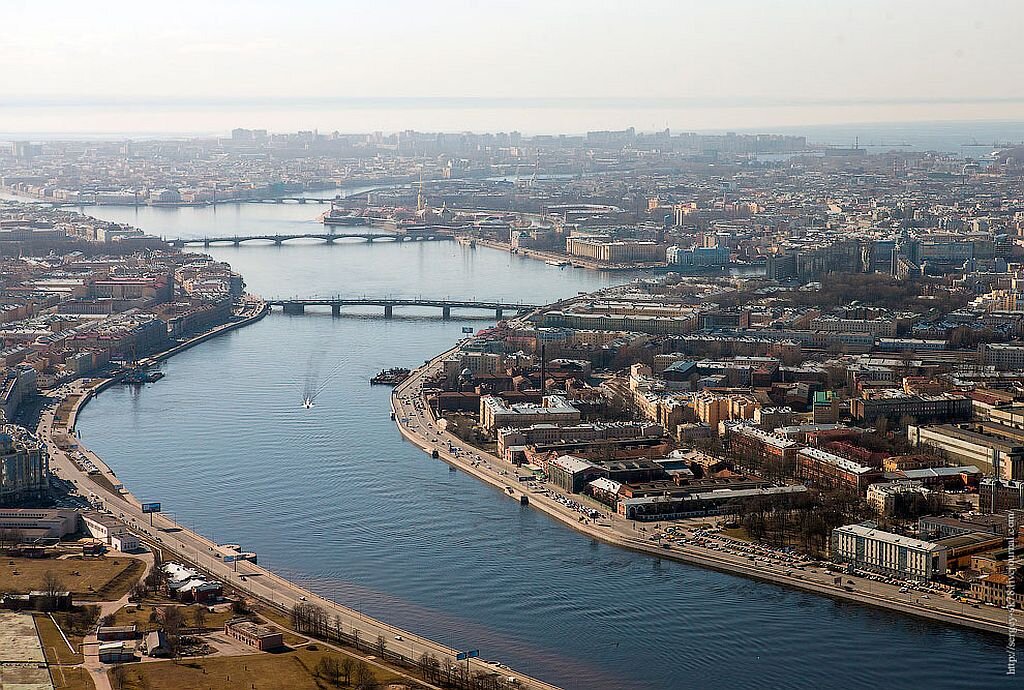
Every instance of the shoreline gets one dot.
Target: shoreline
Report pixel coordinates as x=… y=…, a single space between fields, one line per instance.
x=254 y=581
x=607 y=534
x=571 y=261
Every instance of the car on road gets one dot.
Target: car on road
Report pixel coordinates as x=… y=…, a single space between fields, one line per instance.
x=399 y=638
x=301 y=598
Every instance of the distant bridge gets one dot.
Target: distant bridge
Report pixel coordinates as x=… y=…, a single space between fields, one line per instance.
x=298 y=306
x=327 y=237
x=290 y=200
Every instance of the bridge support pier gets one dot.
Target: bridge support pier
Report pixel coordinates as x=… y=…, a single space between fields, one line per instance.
x=498 y=313
x=446 y=313
x=389 y=310
x=335 y=310
x=294 y=308
x=278 y=241
x=237 y=243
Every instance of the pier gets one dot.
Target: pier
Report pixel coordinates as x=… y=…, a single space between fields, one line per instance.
x=298 y=306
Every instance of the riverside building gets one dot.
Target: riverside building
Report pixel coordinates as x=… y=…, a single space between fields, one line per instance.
x=24 y=466
x=867 y=548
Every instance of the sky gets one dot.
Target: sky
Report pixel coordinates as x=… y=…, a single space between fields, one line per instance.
x=553 y=65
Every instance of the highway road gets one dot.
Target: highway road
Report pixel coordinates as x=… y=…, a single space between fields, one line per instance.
x=177 y=541
x=418 y=424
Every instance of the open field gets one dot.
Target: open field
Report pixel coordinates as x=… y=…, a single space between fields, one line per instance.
x=294 y=670
x=71 y=678
x=96 y=579
x=54 y=647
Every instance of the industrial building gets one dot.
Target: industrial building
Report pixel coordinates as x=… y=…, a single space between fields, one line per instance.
x=981 y=445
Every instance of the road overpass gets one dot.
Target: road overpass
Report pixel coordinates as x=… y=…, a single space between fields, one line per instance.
x=326 y=237
x=298 y=306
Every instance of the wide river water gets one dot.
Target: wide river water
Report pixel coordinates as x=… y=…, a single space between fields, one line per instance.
x=334 y=498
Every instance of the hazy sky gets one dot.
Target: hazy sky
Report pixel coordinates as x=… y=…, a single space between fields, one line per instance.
x=185 y=65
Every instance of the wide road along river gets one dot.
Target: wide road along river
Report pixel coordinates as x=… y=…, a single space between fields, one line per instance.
x=333 y=496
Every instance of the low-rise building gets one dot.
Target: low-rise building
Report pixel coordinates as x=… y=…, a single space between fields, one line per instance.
x=992 y=589
x=35 y=523
x=885 y=497
x=701 y=503
x=263 y=637
x=116 y=652
x=102 y=526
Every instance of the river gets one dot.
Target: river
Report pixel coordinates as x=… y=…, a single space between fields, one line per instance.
x=334 y=498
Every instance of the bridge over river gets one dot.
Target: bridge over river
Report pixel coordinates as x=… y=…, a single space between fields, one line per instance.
x=327 y=237
x=298 y=306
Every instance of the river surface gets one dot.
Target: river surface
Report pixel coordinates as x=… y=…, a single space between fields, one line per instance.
x=334 y=498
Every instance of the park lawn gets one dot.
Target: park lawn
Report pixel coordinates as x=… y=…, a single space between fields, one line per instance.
x=54 y=647
x=98 y=579
x=294 y=670
x=71 y=678
x=139 y=616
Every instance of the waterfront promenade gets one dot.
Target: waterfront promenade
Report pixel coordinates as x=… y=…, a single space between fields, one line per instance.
x=176 y=541
x=418 y=425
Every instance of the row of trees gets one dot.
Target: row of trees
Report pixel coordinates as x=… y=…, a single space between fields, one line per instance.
x=348 y=671
x=805 y=520
x=314 y=621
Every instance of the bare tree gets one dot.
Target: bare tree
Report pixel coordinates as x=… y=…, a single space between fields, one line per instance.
x=118 y=675
x=199 y=617
x=382 y=646
x=363 y=677
x=172 y=621
x=330 y=670
x=348 y=664
x=53 y=586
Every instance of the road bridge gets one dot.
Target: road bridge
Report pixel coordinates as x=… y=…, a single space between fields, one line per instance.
x=326 y=237
x=298 y=306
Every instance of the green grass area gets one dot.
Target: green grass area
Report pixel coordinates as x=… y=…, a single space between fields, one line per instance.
x=71 y=678
x=295 y=670
x=94 y=579
x=54 y=647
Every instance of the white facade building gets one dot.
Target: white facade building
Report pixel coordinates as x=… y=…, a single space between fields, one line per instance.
x=868 y=548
